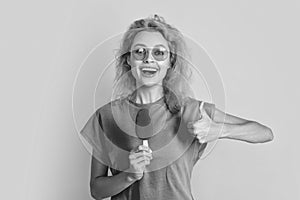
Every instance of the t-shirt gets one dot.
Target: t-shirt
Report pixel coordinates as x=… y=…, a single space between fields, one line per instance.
x=111 y=131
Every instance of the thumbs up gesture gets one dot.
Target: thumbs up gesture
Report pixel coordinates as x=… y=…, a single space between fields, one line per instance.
x=205 y=129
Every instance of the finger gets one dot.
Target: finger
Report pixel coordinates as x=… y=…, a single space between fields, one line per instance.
x=142 y=154
x=143 y=162
x=138 y=161
x=201 y=134
x=195 y=124
x=140 y=166
x=141 y=158
x=201 y=107
x=196 y=131
x=202 y=139
x=144 y=148
x=147 y=156
x=134 y=156
x=200 y=128
x=202 y=110
x=132 y=151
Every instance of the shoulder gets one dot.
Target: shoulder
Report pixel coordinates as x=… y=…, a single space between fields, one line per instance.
x=106 y=108
x=188 y=101
x=192 y=102
x=191 y=105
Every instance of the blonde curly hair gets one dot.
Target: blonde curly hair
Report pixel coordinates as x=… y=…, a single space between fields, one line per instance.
x=175 y=83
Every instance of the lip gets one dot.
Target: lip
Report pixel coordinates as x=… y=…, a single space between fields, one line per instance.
x=144 y=68
x=149 y=67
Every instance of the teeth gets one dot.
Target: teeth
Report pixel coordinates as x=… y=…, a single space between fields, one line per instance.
x=149 y=69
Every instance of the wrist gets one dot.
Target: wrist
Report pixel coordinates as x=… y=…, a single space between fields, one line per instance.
x=224 y=129
x=129 y=177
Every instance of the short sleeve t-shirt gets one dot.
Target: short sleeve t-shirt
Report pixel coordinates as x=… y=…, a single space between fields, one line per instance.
x=112 y=133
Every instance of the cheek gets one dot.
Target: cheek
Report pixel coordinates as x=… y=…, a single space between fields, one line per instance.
x=135 y=73
x=164 y=67
x=163 y=73
x=167 y=63
x=135 y=63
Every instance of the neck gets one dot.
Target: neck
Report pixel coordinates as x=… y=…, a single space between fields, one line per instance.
x=145 y=94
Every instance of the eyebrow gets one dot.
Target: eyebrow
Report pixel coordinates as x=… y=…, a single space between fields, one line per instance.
x=139 y=44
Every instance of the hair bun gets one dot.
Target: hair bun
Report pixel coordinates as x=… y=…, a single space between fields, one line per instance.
x=158 y=18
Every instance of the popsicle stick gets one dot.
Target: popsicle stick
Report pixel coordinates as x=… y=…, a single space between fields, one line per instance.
x=145 y=143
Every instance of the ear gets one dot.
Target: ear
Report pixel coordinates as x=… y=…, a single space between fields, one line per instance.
x=172 y=59
x=128 y=61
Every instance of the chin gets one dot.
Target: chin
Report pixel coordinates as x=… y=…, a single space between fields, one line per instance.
x=149 y=84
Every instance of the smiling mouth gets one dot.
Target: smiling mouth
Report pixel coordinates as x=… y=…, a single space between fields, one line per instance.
x=149 y=71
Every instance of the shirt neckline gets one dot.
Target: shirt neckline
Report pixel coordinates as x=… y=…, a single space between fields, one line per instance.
x=158 y=101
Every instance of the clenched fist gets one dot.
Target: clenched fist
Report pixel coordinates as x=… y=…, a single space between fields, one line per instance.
x=138 y=159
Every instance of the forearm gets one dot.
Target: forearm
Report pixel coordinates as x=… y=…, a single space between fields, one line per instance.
x=250 y=131
x=103 y=187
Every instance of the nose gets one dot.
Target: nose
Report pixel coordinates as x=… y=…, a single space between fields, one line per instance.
x=148 y=57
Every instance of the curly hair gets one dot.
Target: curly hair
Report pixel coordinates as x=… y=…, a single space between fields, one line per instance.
x=175 y=83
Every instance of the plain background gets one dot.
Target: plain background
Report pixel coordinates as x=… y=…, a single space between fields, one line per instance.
x=255 y=45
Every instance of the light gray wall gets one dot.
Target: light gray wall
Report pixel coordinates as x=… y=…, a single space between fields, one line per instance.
x=254 y=44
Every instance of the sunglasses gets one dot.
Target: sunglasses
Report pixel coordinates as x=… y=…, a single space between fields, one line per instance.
x=142 y=53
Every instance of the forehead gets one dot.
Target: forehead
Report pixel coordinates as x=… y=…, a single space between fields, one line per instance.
x=149 y=39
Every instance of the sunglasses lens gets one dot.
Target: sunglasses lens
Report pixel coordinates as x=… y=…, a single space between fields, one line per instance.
x=139 y=54
x=160 y=54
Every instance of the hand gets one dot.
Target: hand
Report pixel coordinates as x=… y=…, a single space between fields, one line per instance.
x=205 y=129
x=138 y=159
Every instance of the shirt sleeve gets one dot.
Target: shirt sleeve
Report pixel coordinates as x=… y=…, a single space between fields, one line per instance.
x=94 y=135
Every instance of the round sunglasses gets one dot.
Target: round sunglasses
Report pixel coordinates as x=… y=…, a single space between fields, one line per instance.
x=158 y=53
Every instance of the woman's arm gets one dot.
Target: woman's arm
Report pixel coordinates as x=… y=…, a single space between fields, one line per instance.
x=220 y=125
x=102 y=185
x=241 y=129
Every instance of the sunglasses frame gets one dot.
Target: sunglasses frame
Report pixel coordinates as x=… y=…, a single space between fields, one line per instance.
x=146 y=55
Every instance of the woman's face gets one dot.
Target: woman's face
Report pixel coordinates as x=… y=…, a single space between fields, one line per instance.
x=149 y=58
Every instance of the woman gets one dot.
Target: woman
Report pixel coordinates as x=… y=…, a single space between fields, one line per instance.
x=153 y=133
